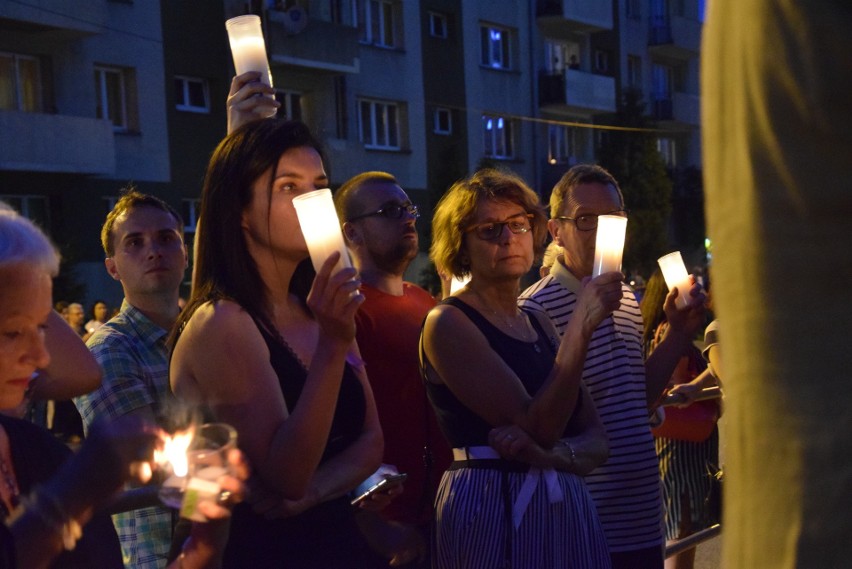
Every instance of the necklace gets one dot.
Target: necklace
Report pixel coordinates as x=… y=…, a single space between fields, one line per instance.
x=524 y=330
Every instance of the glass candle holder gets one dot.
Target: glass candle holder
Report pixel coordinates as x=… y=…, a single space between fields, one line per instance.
x=675 y=275
x=321 y=228
x=609 y=244
x=249 y=49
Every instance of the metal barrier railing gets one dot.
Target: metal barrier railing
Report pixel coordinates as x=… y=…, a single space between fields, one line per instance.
x=693 y=540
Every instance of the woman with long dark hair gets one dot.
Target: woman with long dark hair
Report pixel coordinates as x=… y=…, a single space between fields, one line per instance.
x=267 y=347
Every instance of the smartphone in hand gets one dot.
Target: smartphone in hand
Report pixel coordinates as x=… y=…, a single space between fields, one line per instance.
x=382 y=485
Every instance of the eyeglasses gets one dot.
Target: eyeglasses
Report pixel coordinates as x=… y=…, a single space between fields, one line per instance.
x=391 y=211
x=493 y=230
x=590 y=222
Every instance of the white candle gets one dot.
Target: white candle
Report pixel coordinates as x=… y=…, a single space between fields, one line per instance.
x=609 y=244
x=248 y=47
x=674 y=272
x=321 y=228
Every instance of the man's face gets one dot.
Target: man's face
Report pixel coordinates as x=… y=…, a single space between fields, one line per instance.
x=76 y=316
x=150 y=257
x=390 y=243
x=578 y=246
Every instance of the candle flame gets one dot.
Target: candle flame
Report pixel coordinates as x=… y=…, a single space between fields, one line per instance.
x=174 y=451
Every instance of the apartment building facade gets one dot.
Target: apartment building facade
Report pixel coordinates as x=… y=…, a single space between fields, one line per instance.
x=98 y=94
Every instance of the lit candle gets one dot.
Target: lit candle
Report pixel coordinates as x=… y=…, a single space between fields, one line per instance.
x=321 y=228
x=458 y=283
x=609 y=244
x=674 y=272
x=248 y=48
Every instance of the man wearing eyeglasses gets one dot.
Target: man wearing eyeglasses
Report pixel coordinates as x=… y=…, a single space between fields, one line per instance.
x=378 y=224
x=626 y=488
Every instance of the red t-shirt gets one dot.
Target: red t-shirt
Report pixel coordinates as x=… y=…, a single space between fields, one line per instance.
x=388 y=337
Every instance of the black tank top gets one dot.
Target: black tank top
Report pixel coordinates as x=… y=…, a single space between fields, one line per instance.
x=531 y=362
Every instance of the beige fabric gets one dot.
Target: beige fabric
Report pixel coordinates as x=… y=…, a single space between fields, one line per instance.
x=777 y=127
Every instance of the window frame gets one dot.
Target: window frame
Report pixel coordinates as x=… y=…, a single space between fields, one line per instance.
x=667 y=147
x=566 y=143
x=502 y=135
x=486 y=39
x=436 y=124
x=392 y=128
x=287 y=98
x=26 y=207
x=18 y=84
x=102 y=111
x=186 y=105
x=437 y=16
x=634 y=71
x=374 y=32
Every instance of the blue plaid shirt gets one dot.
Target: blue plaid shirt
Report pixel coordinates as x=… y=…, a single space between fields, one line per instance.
x=131 y=351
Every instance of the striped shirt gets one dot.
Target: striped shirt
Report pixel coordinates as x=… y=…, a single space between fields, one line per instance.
x=132 y=353
x=626 y=488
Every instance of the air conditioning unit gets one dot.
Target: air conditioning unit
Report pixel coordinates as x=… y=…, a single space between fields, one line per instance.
x=294 y=21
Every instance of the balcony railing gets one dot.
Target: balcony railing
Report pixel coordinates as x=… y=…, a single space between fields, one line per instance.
x=321 y=45
x=577 y=90
x=575 y=15
x=56 y=143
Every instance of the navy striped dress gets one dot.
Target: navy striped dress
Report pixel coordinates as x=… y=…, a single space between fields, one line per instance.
x=474 y=527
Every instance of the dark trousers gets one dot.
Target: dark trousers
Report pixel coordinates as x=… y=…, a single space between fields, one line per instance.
x=648 y=558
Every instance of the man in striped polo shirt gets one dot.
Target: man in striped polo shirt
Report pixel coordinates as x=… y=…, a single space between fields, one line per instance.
x=626 y=488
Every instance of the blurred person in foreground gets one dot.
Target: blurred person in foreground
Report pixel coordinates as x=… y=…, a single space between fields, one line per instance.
x=49 y=499
x=508 y=393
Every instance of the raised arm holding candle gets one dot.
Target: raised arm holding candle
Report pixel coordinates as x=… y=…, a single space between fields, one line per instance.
x=267 y=347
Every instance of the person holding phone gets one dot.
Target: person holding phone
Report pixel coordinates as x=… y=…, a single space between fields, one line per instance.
x=514 y=497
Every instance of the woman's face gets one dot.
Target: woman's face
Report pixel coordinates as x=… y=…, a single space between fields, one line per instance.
x=272 y=224
x=101 y=312
x=25 y=304
x=509 y=255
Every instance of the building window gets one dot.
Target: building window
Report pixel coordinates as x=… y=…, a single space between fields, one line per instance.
x=633 y=8
x=634 y=71
x=113 y=90
x=664 y=78
x=497 y=136
x=443 y=121
x=34 y=208
x=377 y=20
x=291 y=105
x=437 y=25
x=496 y=47
x=561 y=144
x=190 y=208
x=192 y=95
x=379 y=124
x=668 y=150
x=20 y=83
x=341 y=109
x=601 y=61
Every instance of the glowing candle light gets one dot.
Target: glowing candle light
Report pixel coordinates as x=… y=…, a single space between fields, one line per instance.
x=321 y=228
x=674 y=272
x=248 y=48
x=609 y=244
x=458 y=283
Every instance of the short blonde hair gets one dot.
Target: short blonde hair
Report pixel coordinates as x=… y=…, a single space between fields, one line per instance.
x=22 y=242
x=455 y=212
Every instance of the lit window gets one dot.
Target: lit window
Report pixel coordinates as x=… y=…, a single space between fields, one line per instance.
x=497 y=136
x=291 y=105
x=437 y=25
x=111 y=94
x=496 y=49
x=379 y=124
x=443 y=121
x=192 y=94
x=20 y=83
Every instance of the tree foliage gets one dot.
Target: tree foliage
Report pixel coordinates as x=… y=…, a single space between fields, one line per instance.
x=633 y=159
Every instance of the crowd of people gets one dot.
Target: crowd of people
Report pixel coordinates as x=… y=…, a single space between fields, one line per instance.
x=520 y=418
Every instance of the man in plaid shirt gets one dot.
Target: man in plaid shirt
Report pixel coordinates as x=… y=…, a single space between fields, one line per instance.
x=145 y=252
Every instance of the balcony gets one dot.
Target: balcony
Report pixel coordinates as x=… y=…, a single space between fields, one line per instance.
x=78 y=18
x=56 y=143
x=678 y=110
x=323 y=46
x=678 y=38
x=576 y=91
x=556 y=18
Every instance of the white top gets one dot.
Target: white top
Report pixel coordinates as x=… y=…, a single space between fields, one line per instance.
x=626 y=489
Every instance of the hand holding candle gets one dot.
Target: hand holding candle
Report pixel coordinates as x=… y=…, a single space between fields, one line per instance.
x=609 y=244
x=321 y=228
x=675 y=275
x=249 y=49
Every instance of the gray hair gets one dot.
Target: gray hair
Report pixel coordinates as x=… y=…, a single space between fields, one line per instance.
x=22 y=242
